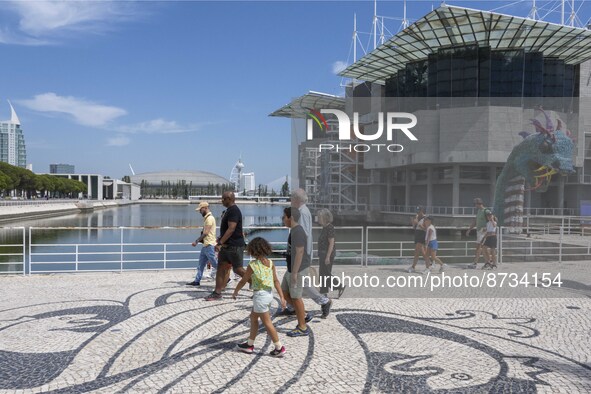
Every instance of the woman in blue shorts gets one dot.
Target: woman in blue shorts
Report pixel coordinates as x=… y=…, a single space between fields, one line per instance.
x=432 y=246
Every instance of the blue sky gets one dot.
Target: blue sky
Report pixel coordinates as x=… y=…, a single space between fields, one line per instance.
x=179 y=85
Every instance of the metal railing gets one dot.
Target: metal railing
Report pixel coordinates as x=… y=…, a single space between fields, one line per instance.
x=37 y=202
x=158 y=248
x=122 y=252
x=12 y=250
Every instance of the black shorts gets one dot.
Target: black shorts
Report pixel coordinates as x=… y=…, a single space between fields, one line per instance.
x=232 y=255
x=420 y=237
x=491 y=242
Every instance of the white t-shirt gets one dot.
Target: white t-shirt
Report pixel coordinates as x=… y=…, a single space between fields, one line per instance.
x=430 y=231
x=491 y=227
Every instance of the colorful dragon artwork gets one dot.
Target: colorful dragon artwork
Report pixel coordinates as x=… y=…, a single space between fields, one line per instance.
x=532 y=162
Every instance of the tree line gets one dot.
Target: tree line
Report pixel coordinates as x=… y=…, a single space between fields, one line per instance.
x=24 y=183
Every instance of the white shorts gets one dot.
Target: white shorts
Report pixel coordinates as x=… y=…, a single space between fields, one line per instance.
x=480 y=234
x=261 y=301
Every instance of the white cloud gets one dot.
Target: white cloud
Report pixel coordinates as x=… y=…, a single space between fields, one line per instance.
x=159 y=126
x=119 y=140
x=338 y=66
x=82 y=111
x=42 y=22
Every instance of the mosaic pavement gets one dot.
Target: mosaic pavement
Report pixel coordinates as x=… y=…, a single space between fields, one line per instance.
x=147 y=332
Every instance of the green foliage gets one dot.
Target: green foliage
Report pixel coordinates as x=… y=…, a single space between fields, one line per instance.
x=26 y=183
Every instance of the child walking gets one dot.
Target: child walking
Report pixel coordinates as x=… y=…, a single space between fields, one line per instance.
x=262 y=272
x=490 y=242
x=432 y=246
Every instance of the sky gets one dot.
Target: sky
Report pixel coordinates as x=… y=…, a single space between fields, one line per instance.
x=184 y=85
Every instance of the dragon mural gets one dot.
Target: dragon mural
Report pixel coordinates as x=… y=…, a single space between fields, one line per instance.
x=532 y=162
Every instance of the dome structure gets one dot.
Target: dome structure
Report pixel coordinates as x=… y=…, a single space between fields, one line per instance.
x=196 y=178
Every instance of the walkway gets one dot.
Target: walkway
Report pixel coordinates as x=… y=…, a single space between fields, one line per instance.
x=147 y=332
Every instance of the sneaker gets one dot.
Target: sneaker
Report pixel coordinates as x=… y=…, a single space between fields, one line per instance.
x=245 y=348
x=487 y=266
x=278 y=352
x=442 y=268
x=194 y=283
x=410 y=270
x=309 y=317
x=298 y=332
x=286 y=312
x=213 y=297
x=326 y=309
x=473 y=266
x=427 y=271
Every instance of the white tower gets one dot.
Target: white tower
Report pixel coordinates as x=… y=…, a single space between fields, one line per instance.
x=236 y=175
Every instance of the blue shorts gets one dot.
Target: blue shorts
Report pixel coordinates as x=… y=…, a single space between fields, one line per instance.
x=432 y=244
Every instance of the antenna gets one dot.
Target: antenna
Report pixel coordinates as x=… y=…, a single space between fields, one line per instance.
x=404 y=20
x=533 y=14
x=131 y=168
x=375 y=23
x=562 y=12
x=354 y=38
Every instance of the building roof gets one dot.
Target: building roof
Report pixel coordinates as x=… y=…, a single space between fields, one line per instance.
x=301 y=106
x=197 y=178
x=449 y=26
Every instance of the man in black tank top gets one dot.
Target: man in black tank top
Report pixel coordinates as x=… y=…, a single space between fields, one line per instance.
x=230 y=246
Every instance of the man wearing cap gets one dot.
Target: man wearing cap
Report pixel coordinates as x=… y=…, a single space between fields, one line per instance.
x=480 y=223
x=208 y=238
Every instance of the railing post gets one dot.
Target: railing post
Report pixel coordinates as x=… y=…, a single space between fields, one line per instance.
x=560 y=247
x=76 y=257
x=30 y=249
x=500 y=245
x=24 y=252
x=364 y=245
x=164 y=256
x=121 y=250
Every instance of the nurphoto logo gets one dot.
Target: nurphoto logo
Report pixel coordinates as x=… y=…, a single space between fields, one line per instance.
x=345 y=127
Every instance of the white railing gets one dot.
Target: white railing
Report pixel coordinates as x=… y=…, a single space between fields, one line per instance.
x=158 y=248
x=123 y=253
x=12 y=250
x=37 y=202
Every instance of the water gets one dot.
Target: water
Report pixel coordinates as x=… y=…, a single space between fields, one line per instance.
x=92 y=241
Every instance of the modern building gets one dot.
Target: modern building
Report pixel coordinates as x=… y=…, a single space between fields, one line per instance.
x=62 y=169
x=248 y=183
x=117 y=189
x=12 y=141
x=94 y=183
x=474 y=80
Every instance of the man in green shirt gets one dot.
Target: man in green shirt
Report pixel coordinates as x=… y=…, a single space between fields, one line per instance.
x=479 y=223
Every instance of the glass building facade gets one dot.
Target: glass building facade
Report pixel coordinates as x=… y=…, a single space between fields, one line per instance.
x=483 y=73
x=12 y=144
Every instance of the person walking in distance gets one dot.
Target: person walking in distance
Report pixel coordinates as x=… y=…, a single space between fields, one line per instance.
x=207 y=237
x=479 y=223
x=230 y=246
x=432 y=245
x=418 y=223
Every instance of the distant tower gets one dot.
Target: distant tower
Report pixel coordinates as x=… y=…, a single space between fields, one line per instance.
x=12 y=141
x=236 y=175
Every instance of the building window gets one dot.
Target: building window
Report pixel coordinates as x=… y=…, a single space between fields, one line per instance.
x=419 y=175
x=444 y=173
x=474 y=172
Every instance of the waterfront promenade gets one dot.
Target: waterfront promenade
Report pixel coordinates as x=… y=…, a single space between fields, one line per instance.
x=146 y=332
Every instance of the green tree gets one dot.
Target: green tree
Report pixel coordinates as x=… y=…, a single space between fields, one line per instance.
x=285 y=189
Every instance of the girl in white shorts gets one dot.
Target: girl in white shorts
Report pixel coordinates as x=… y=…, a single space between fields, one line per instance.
x=261 y=271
